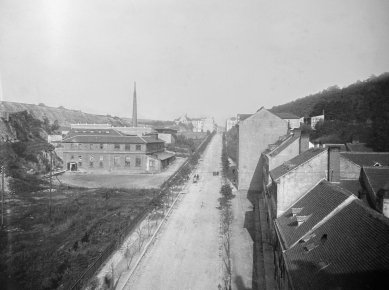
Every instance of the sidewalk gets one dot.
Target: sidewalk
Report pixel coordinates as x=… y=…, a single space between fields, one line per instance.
x=242 y=242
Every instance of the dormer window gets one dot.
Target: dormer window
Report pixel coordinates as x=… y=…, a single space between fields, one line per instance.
x=296 y=210
x=302 y=219
x=377 y=164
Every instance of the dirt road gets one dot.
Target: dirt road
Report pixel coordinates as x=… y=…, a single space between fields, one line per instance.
x=185 y=254
x=120 y=180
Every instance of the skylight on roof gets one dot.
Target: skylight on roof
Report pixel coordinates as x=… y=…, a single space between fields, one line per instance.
x=309 y=247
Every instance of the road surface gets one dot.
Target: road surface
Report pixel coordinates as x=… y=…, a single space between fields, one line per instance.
x=185 y=254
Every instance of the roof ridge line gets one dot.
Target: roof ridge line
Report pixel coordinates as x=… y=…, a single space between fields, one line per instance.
x=301 y=163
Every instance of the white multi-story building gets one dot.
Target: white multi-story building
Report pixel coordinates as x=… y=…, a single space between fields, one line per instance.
x=197 y=124
x=231 y=122
x=209 y=124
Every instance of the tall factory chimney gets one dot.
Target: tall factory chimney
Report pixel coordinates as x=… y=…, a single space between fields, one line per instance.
x=134 y=110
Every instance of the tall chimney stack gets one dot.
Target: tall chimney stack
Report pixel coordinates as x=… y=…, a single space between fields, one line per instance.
x=134 y=110
x=334 y=163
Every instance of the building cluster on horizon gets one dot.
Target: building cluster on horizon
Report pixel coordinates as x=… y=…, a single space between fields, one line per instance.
x=199 y=124
x=324 y=209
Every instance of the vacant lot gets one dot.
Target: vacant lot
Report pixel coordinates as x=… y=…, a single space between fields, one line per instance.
x=120 y=180
x=44 y=253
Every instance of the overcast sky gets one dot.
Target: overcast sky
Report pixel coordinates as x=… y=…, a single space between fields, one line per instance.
x=202 y=57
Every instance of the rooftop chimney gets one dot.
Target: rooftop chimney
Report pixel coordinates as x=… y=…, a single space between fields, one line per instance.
x=134 y=110
x=304 y=142
x=334 y=163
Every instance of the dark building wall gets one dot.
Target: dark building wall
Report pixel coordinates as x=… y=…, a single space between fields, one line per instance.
x=255 y=133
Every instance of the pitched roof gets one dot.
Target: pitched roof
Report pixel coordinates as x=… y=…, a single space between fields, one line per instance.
x=286 y=115
x=88 y=132
x=351 y=185
x=367 y=158
x=295 y=162
x=358 y=147
x=283 y=145
x=349 y=251
x=316 y=204
x=112 y=139
x=378 y=176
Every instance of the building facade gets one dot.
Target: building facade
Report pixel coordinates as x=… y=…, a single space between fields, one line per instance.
x=255 y=134
x=231 y=122
x=108 y=150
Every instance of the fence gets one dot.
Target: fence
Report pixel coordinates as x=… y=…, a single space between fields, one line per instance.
x=156 y=201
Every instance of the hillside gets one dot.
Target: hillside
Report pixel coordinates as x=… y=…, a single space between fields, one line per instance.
x=64 y=116
x=360 y=110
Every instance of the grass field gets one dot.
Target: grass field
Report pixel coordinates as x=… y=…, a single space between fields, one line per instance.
x=45 y=253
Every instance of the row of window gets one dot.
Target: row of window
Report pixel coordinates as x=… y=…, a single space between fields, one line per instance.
x=116 y=161
x=127 y=147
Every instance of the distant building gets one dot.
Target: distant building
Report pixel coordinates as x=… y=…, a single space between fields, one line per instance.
x=293 y=120
x=312 y=121
x=242 y=117
x=198 y=124
x=108 y=150
x=231 y=122
x=209 y=124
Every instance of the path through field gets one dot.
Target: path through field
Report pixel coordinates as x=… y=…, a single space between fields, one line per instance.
x=185 y=254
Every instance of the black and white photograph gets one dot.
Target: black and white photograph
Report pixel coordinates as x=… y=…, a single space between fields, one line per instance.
x=194 y=145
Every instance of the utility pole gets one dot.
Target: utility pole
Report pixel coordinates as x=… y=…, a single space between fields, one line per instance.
x=2 y=196
x=51 y=170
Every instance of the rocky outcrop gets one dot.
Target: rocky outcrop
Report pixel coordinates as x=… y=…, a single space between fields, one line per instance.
x=64 y=116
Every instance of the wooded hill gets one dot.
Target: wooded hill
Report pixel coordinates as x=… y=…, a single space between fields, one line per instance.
x=359 y=110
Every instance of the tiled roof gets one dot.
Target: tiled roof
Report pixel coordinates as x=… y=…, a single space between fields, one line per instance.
x=284 y=144
x=111 y=139
x=164 y=155
x=367 y=158
x=295 y=162
x=351 y=185
x=349 y=251
x=317 y=204
x=378 y=176
x=286 y=115
x=90 y=132
x=358 y=147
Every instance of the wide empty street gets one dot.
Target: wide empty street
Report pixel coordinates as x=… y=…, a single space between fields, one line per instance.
x=185 y=254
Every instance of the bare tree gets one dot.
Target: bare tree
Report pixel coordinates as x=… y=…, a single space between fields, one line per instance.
x=141 y=237
x=109 y=279
x=149 y=226
x=128 y=253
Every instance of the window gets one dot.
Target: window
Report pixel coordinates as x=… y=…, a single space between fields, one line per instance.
x=127 y=161
x=128 y=147
x=71 y=156
x=80 y=164
x=138 y=147
x=101 y=164
x=116 y=161
x=91 y=146
x=91 y=164
x=101 y=146
x=138 y=161
x=116 y=147
x=80 y=158
x=90 y=158
x=101 y=158
x=152 y=163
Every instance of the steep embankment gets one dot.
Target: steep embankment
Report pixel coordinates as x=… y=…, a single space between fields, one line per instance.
x=64 y=116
